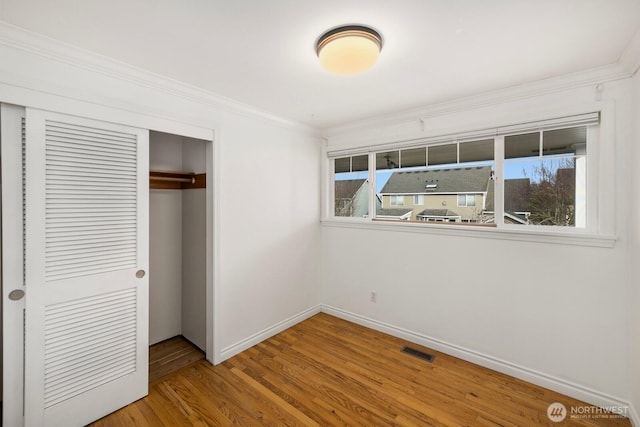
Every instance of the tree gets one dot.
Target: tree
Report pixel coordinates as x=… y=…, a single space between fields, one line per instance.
x=552 y=193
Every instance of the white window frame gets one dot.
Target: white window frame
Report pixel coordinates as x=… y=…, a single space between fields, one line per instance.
x=600 y=226
x=396 y=198
x=419 y=198
x=467 y=197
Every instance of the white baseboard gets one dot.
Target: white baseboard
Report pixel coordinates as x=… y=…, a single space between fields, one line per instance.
x=559 y=385
x=258 y=337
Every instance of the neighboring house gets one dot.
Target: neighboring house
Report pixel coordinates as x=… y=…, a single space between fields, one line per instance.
x=440 y=195
x=351 y=198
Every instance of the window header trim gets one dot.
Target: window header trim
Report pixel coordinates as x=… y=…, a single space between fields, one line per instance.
x=586 y=119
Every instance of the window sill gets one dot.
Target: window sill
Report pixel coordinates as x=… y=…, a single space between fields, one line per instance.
x=471 y=230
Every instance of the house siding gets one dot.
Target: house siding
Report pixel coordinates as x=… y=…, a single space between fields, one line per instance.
x=438 y=201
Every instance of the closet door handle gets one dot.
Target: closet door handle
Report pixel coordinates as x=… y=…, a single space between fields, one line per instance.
x=16 y=295
x=140 y=274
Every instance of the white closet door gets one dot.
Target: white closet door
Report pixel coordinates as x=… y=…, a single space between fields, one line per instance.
x=86 y=304
x=12 y=133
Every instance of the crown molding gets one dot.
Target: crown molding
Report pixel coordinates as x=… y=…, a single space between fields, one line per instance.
x=514 y=93
x=46 y=47
x=630 y=58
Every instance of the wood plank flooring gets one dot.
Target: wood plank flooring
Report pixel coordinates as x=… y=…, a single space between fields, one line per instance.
x=170 y=355
x=326 y=371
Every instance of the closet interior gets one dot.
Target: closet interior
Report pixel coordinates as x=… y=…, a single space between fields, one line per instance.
x=177 y=238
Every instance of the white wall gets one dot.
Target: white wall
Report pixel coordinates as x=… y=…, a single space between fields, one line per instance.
x=541 y=311
x=194 y=247
x=269 y=211
x=165 y=242
x=634 y=282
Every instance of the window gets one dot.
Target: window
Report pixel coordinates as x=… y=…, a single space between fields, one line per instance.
x=466 y=200
x=545 y=178
x=440 y=172
x=396 y=200
x=539 y=168
x=351 y=186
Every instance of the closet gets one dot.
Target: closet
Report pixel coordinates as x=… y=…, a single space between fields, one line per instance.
x=107 y=238
x=177 y=238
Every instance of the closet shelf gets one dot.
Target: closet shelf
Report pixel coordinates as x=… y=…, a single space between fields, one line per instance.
x=171 y=180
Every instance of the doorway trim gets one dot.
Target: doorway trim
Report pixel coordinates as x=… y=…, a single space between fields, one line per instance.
x=213 y=251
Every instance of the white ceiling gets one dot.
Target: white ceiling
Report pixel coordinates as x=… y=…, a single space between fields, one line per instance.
x=261 y=52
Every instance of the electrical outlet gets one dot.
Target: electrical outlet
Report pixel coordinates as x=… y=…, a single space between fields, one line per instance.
x=373 y=296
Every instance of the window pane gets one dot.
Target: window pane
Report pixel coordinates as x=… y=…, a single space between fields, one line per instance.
x=422 y=190
x=413 y=157
x=388 y=160
x=443 y=154
x=466 y=200
x=525 y=145
x=351 y=189
x=397 y=200
x=562 y=141
x=475 y=151
x=342 y=164
x=360 y=163
x=548 y=191
x=351 y=197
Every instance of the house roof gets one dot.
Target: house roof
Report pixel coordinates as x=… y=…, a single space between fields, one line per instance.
x=348 y=188
x=438 y=212
x=513 y=218
x=392 y=212
x=458 y=180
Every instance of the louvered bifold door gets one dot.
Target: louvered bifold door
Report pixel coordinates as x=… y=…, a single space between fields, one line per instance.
x=86 y=322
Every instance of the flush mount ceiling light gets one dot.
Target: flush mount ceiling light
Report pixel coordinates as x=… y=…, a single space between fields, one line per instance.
x=350 y=49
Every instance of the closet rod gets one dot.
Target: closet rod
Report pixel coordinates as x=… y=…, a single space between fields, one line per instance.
x=191 y=180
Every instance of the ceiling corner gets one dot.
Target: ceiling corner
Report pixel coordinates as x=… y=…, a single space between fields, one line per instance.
x=630 y=58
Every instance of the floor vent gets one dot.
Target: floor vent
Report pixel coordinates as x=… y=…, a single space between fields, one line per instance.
x=417 y=353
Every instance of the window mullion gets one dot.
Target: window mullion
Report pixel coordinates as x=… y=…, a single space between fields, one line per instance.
x=541 y=144
x=498 y=198
x=372 y=186
x=593 y=181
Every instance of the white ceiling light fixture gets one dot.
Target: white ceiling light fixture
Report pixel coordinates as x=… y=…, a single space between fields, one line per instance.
x=350 y=49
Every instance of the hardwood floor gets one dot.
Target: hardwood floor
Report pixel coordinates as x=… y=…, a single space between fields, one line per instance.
x=326 y=371
x=170 y=355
